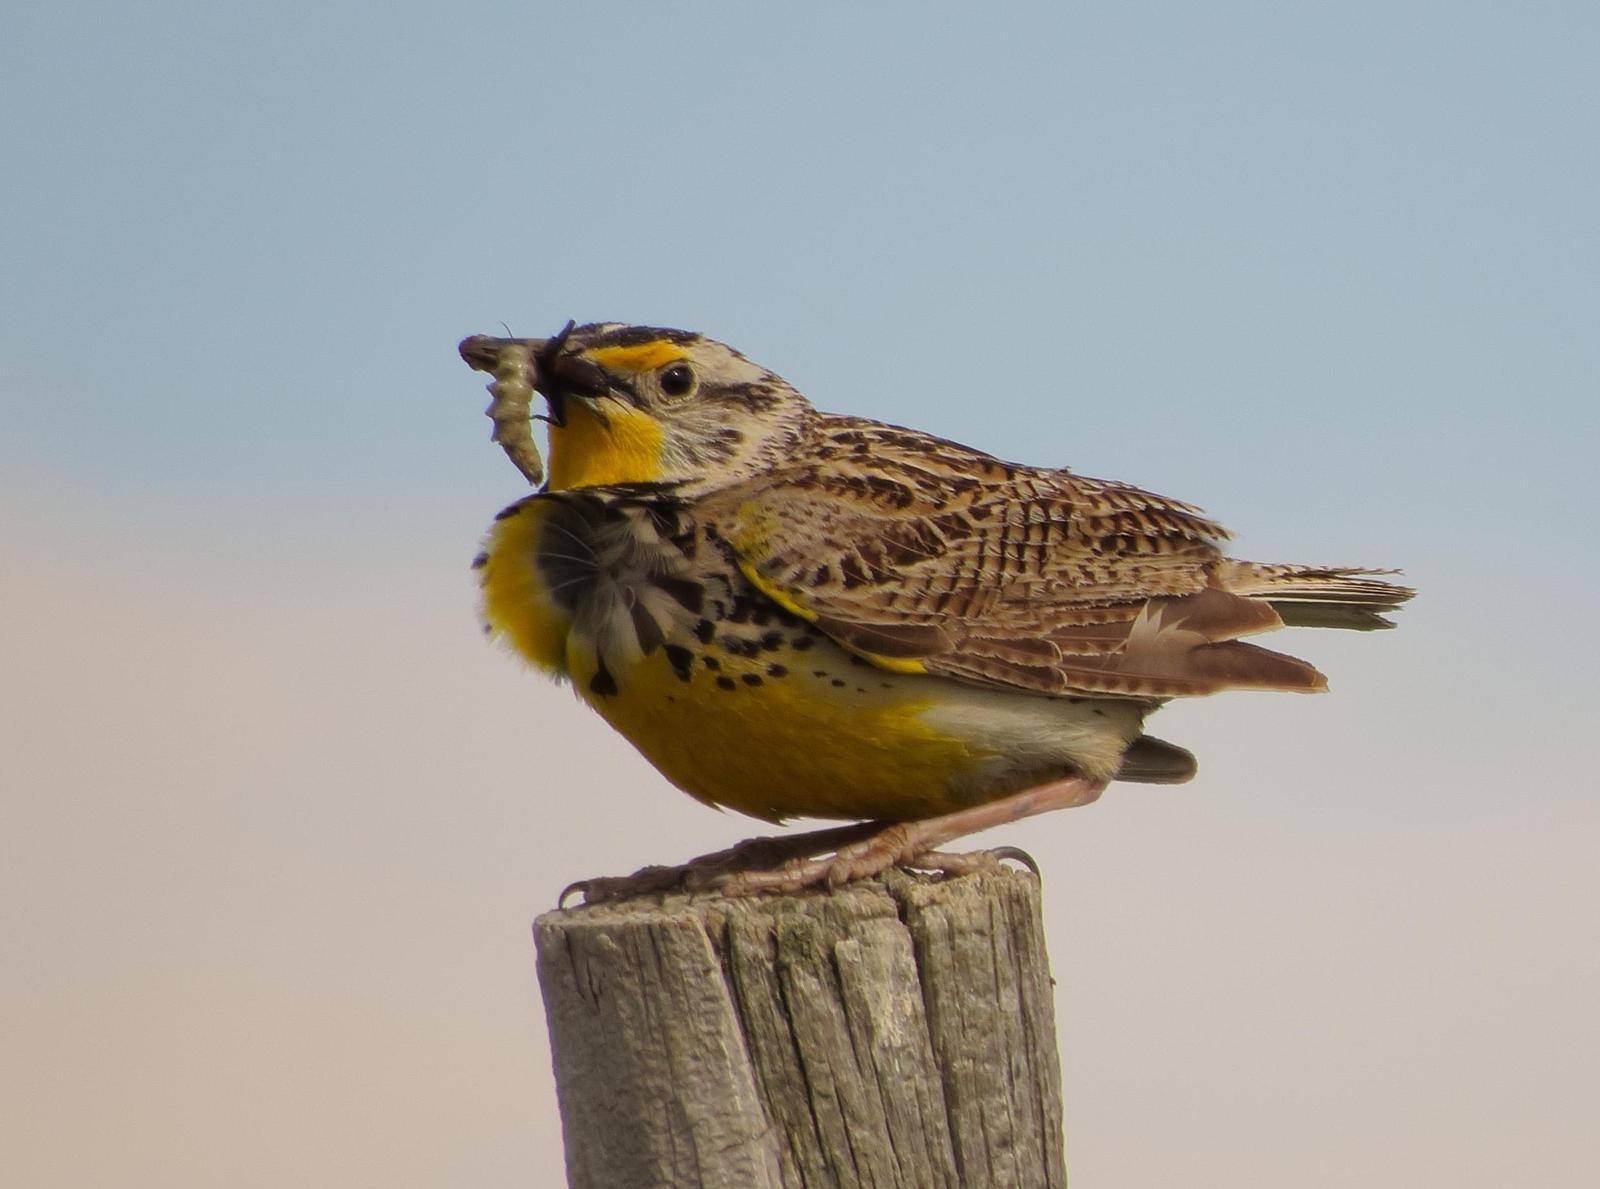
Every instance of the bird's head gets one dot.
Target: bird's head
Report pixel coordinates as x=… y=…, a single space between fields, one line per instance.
x=637 y=404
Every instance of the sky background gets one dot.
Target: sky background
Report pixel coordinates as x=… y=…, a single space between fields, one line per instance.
x=275 y=820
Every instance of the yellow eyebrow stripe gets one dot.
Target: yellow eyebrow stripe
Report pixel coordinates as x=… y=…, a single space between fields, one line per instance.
x=641 y=357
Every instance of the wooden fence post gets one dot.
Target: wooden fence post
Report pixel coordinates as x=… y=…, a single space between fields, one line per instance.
x=898 y=1032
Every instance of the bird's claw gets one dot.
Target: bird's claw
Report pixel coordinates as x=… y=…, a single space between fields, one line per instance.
x=789 y=863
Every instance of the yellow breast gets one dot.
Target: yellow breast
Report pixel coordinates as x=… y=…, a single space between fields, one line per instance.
x=759 y=712
x=516 y=604
x=785 y=734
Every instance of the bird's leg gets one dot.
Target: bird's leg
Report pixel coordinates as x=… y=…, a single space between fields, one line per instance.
x=913 y=844
x=841 y=854
x=750 y=856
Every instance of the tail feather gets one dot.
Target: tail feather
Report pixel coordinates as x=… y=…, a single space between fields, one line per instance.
x=1318 y=596
x=1331 y=615
x=1149 y=760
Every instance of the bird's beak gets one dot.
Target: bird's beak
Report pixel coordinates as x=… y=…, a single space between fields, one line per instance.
x=482 y=352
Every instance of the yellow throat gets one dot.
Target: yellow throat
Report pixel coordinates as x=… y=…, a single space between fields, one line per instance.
x=625 y=447
x=586 y=452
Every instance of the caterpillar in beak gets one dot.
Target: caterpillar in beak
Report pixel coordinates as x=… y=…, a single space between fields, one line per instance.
x=511 y=410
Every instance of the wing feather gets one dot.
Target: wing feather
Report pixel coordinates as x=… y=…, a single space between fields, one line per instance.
x=922 y=555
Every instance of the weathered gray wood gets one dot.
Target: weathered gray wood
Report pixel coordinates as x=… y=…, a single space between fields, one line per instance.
x=899 y=1032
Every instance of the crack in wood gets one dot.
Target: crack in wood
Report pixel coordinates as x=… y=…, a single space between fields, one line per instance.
x=898 y=1032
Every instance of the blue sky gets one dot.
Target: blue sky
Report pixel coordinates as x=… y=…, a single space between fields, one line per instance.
x=1329 y=271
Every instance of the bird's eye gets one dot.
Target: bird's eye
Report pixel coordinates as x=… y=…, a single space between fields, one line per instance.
x=677 y=379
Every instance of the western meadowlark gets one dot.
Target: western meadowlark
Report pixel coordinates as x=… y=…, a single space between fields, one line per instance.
x=794 y=613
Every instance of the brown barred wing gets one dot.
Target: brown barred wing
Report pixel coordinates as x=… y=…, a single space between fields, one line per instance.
x=922 y=556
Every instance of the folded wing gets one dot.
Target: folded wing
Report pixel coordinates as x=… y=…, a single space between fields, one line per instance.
x=935 y=558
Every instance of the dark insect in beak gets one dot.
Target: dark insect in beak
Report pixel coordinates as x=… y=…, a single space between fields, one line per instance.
x=545 y=360
x=544 y=365
x=559 y=379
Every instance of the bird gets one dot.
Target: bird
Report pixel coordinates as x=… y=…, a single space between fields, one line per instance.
x=799 y=614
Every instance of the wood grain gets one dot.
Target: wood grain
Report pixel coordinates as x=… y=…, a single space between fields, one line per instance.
x=899 y=1032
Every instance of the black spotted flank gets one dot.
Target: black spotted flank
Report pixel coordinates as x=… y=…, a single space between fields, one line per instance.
x=663 y=518
x=704 y=631
x=690 y=595
x=751 y=679
x=602 y=684
x=681 y=660
x=726 y=683
x=777 y=671
x=646 y=629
